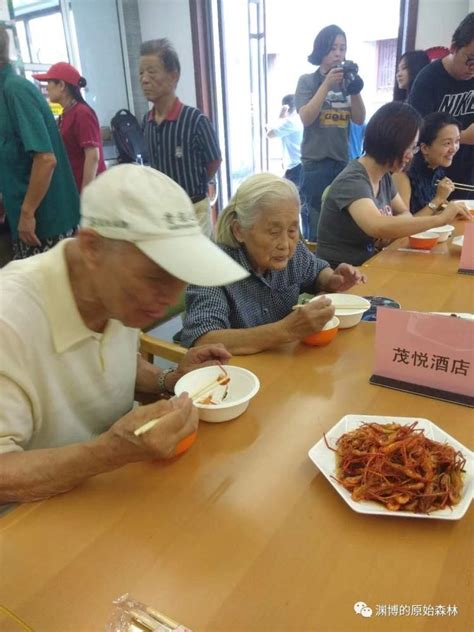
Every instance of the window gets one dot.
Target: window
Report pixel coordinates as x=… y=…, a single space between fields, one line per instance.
x=25 y=51
x=40 y=29
x=46 y=42
x=386 y=63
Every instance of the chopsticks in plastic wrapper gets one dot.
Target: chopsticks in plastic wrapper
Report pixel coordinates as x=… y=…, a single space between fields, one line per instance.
x=133 y=616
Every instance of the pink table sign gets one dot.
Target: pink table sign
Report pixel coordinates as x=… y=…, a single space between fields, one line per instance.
x=466 y=264
x=426 y=354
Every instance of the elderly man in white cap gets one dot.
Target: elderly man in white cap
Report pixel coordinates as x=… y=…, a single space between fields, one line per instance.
x=69 y=327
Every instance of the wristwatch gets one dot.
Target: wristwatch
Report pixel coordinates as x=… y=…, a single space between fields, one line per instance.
x=436 y=208
x=161 y=381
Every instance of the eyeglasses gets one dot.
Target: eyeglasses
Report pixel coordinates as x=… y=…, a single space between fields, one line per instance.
x=468 y=60
x=413 y=150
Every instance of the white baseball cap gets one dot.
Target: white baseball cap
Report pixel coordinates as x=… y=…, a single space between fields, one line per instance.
x=143 y=206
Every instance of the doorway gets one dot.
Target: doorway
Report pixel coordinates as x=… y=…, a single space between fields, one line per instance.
x=238 y=33
x=260 y=49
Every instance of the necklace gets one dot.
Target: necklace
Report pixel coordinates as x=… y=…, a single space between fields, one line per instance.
x=71 y=104
x=66 y=108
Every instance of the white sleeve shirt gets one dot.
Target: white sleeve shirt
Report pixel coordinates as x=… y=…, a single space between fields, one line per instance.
x=60 y=382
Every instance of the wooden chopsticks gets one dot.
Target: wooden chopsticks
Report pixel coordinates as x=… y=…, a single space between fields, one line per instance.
x=222 y=380
x=338 y=307
x=146 y=427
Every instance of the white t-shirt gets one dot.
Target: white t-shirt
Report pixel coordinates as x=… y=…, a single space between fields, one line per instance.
x=290 y=130
x=60 y=382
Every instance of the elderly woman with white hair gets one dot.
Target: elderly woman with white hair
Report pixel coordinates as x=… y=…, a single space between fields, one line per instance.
x=260 y=230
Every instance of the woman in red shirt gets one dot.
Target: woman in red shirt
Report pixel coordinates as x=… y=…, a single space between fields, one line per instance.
x=78 y=124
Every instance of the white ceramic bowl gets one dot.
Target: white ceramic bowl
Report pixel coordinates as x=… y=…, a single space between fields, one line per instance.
x=468 y=203
x=443 y=232
x=243 y=386
x=348 y=317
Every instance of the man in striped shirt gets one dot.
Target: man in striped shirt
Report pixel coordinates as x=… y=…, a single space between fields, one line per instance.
x=181 y=140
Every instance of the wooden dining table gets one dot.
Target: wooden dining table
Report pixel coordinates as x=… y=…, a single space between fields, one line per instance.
x=242 y=533
x=442 y=259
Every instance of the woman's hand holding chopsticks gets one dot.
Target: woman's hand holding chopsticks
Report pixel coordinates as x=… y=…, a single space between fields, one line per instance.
x=444 y=188
x=308 y=318
x=459 y=186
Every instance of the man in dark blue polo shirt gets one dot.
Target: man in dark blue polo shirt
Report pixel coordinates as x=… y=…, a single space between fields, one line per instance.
x=181 y=140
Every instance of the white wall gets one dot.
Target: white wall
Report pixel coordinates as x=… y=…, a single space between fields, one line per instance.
x=438 y=19
x=100 y=52
x=171 y=19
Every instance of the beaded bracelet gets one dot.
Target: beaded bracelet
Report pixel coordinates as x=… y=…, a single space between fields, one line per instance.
x=161 y=381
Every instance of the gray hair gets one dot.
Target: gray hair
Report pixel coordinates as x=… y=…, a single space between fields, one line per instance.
x=164 y=49
x=4 y=46
x=256 y=194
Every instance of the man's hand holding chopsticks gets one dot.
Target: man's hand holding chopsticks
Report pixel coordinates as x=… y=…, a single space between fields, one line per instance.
x=175 y=419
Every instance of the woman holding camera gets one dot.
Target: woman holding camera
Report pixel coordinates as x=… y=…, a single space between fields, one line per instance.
x=326 y=100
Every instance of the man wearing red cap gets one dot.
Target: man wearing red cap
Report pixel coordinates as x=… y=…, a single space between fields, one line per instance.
x=39 y=193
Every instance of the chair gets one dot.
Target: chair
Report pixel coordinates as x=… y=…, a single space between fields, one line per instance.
x=151 y=347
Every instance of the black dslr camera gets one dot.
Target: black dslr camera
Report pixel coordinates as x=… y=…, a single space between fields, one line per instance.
x=351 y=82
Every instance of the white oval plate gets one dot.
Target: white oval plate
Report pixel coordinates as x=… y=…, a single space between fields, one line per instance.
x=325 y=461
x=458 y=241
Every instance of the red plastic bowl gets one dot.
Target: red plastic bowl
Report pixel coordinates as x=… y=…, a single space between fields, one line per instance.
x=323 y=337
x=185 y=444
x=423 y=241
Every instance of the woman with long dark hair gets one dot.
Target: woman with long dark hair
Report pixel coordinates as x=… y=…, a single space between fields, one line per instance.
x=78 y=123
x=408 y=67
x=362 y=207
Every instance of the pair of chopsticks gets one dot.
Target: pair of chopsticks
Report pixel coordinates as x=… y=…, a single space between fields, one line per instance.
x=417 y=250
x=461 y=186
x=338 y=307
x=222 y=380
